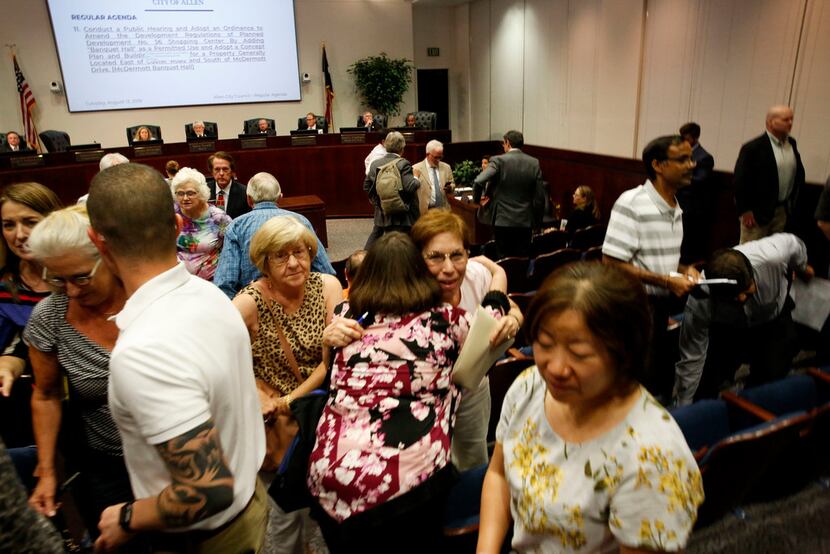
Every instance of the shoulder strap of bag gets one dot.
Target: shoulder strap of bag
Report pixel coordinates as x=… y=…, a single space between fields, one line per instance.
x=289 y=354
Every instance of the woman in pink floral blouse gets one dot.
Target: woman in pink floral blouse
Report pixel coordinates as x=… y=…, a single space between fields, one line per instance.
x=380 y=468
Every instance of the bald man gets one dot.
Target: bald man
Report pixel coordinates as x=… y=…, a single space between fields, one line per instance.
x=768 y=176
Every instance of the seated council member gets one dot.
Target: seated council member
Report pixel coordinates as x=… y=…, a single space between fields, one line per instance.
x=585 y=459
x=311 y=124
x=71 y=334
x=143 y=134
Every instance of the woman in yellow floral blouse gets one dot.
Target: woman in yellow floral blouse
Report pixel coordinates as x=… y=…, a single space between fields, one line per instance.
x=585 y=459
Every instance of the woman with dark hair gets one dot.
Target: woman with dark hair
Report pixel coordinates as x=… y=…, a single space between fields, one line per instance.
x=585 y=459
x=585 y=212
x=22 y=206
x=380 y=468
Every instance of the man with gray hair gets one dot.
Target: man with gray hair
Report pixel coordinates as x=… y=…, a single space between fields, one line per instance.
x=435 y=177
x=199 y=130
x=235 y=269
x=385 y=223
x=106 y=162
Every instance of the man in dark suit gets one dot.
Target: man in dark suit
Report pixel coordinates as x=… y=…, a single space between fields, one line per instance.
x=199 y=131
x=368 y=121
x=697 y=200
x=768 y=177
x=517 y=192
x=225 y=191
x=14 y=144
x=311 y=124
x=264 y=128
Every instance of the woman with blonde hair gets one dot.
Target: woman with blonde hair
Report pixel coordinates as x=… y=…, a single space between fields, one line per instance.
x=585 y=212
x=285 y=312
x=143 y=134
x=203 y=226
x=71 y=334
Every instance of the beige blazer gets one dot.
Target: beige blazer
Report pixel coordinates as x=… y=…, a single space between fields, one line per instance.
x=444 y=178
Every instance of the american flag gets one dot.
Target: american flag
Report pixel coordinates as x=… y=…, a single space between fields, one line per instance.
x=27 y=104
x=329 y=91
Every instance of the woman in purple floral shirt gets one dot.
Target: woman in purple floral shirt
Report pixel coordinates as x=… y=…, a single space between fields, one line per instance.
x=203 y=233
x=380 y=468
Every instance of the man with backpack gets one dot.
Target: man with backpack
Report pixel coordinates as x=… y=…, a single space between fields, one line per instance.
x=392 y=190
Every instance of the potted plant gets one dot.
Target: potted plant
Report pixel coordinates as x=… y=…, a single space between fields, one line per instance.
x=465 y=172
x=382 y=82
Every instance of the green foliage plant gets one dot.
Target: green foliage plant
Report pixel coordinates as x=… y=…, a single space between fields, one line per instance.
x=382 y=81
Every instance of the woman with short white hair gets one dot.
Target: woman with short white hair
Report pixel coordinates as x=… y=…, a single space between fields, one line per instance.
x=203 y=231
x=71 y=334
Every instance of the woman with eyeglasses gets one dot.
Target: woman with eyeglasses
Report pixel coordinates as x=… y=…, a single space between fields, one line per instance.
x=286 y=311
x=203 y=232
x=22 y=206
x=443 y=239
x=71 y=334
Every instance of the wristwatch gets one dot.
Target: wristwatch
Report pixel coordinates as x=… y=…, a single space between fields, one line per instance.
x=126 y=516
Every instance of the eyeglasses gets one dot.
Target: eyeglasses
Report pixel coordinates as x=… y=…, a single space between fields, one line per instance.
x=221 y=170
x=300 y=254
x=457 y=257
x=77 y=280
x=186 y=193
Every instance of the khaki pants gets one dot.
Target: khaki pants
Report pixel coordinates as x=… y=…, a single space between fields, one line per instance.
x=244 y=535
x=776 y=225
x=469 y=436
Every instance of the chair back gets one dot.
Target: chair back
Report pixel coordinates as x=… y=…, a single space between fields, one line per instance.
x=791 y=394
x=546 y=264
x=516 y=269
x=744 y=462
x=340 y=271
x=55 y=141
x=502 y=375
x=593 y=254
x=424 y=120
x=321 y=123
x=211 y=129
x=155 y=132
x=703 y=423
x=522 y=299
x=548 y=242
x=585 y=238
x=251 y=126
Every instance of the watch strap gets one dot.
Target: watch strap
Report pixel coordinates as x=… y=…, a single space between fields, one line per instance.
x=126 y=516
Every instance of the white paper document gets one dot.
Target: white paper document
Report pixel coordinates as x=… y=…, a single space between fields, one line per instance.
x=476 y=355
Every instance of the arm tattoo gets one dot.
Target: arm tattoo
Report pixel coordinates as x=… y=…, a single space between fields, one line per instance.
x=202 y=483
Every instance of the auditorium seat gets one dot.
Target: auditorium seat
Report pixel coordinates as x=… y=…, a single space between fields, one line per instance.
x=424 y=120
x=502 y=375
x=546 y=264
x=583 y=239
x=516 y=269
x=55 y=141
x=593 y=254
x=321 y=123
x=211 y=130
x=155 y=131
x=551 y=241
x=461 y=513
x=251 y=126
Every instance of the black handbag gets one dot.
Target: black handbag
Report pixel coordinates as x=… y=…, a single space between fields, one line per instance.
x=289 y=489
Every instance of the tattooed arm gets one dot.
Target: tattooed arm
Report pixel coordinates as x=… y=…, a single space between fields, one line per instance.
x=201 y=486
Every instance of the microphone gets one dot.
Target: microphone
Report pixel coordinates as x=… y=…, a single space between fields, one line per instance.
x=497 y=301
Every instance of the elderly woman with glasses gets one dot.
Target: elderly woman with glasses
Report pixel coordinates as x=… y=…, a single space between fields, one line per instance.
x=443 y=239
x=286 y=311
x=71 y=334
x=203 y=231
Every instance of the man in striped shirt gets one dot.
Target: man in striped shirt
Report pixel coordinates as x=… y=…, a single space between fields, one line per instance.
x=644 y=235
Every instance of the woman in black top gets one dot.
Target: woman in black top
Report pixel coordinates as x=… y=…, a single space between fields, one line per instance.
x=585 y=212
